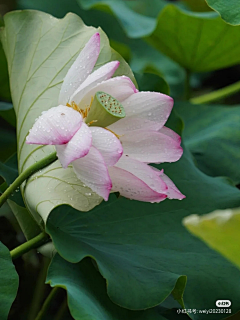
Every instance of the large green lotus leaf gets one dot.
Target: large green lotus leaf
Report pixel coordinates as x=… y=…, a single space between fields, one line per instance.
x=40 y=49
x=220 y=230
x=229 y=10
x=87 y=296
x=197 y=41
x=8 y=282
x=142 y=249
x=137 y=20
x=212 y=133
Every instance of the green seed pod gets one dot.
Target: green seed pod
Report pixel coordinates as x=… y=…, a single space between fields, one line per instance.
x=104 y=110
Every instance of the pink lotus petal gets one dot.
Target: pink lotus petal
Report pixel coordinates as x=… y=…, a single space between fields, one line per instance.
x=55 y=126
x=93 y=172
x=119 y=87
x=132 y=187
x=76 y=148
x=103 y=73
x=130 y=124
x=172 y=192
x=80 y=69
x=108 y=144
x=152 y=106
x=150 y=146
x=144 y=172
x=170 y=133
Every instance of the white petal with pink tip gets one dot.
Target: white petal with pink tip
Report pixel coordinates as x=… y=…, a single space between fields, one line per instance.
x=80 y=69
x=150 y=146
x=108 y=144
x=92 y=171
x=76 y=148
x=132 y=187
x=144 y=172
x=172 y=192
x=55 y=126
x=103 y=73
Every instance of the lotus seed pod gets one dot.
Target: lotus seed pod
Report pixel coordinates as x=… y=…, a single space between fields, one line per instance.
x=104 y=110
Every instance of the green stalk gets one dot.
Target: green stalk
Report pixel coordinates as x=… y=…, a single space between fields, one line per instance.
x=29 y=245
x=47 y=303
x=26 y=174
x=217 y=95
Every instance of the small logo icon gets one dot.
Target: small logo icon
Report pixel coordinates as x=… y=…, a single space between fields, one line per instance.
x=223 y=303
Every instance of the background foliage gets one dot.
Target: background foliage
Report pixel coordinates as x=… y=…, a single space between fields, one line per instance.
x=123 y=256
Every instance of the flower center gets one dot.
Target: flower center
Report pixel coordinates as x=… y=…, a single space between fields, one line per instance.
x=83 y=112
x=102 y=111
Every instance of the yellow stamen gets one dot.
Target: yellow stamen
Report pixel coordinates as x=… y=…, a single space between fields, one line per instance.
x=88 y=109
x=93 y=121
x=84 y=112
x=74 y=106
x=91 y=102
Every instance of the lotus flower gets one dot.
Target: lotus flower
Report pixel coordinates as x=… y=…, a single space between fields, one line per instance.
x=109 y=131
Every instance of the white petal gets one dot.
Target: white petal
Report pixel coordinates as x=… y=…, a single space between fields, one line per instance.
x=93 y=172
x=130 y=124
x=103 y=73
x=170 y=133
x=144 y=172
x=119 y=87
x=132 y=187
x=80 y=69
x=76 y=148
x=108 y=144
x=150 y=146
x=172 y=192
x=153 y=106
x=55 y=126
